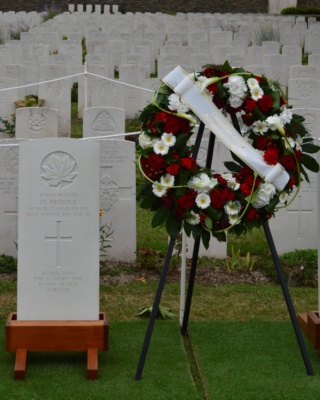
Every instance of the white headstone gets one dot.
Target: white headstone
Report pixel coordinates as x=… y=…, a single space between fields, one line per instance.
x=118 y=197
x=36 y=122
x=103 y=121
x=58 y=252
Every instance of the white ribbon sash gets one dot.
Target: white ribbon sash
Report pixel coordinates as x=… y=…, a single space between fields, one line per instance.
x=201 y=104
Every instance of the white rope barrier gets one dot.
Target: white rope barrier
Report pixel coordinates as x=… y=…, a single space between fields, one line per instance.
x=73 y=76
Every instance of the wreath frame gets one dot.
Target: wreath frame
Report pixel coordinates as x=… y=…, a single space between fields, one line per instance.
x=182 y=194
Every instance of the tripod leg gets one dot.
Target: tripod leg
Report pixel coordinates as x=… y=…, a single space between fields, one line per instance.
x=288 y=300
x=155 y=309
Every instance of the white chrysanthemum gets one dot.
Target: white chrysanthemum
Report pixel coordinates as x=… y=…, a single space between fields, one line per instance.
x=260 y=127
x=145 y=141
x=283 y=197
x=274 y=122
x=194 y=219
x=268 y=188
x=202 y=183
x=203 y=200
x=177 y=104
x=158 y=190
x=160 y=147
x=233 y=219
x=252 y=83
x=256 y=93
x=167 y=180
x=286 y=115
x=169 y=139
x=233 y=184
x=232 y=207
x=235 y=101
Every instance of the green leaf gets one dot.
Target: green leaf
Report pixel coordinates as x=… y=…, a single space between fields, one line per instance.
x=237 y=159
x=181 y=140
x=147 y=202
x=276 y=99
x=310 y=148
x=159 y=216
x=310 y=163
x=173 y=226
x=208 y=222
x=187 y=228
x=232 y=166
x=205 y=236
x=196 y=231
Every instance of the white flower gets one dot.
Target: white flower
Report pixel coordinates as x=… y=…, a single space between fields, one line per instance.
x=260 y=127
x=233 y=219
x=266 y=192
x=274 y=122
x=256 y=93
x=145 y=141
x=232 y=207
x=202 y=183
x=237 y=88
x=160 y=147
x=289 y=145
x=252 y=83
x=169 y=139
x=283 y=197
x=236 y=85
x=203 y=200
x=167 y=180
x=158 y=190
x=232 y=183
x=299 y=142
x=176 y=103
x=286 y=115
x=235 y=101
x=193 y=219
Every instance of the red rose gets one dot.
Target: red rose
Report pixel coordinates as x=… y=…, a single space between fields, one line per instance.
x=154 y=165
x=187 y=200
x=218 y=200
x=265 y=103
x=188 y=163
x=250 y=104
x=252 y=214
x=220 y=179
x=245 y=171
x=246 y=188
x=289 y=163
x=292 y=181
x=232 y=110
x=271 y=156
x=262 y=142
x=173 y=169
x=172 y=125
x=247 y=119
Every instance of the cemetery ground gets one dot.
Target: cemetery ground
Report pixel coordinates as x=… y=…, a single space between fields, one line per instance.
x=240 y=344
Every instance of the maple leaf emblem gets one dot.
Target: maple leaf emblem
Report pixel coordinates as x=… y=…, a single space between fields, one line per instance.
x=60 y=171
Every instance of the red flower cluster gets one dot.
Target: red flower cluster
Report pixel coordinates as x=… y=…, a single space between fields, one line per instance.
x=154 y=166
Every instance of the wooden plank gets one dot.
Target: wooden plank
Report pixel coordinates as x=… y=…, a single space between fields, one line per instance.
x=20 y=364
x=92 y=363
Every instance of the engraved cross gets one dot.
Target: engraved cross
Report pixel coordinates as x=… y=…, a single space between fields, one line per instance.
x=58 y=238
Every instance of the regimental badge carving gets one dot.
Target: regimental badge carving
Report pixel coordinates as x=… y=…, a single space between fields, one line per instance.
x=11 y=159
x=37 y=121
x=108 y=90
x=54 y=89
x=305 y=89
x=59 y=170
x=109 y=193
x=310 y=122
x=103 y=122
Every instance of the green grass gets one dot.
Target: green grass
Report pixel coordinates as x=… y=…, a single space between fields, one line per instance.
x=255 y=360
x=61 y=376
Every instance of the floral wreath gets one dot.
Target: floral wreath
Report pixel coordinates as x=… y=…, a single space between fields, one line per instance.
x=183 y=194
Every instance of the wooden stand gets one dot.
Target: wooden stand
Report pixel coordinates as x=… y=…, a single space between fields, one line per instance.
x=24 y=336
x=310 y=325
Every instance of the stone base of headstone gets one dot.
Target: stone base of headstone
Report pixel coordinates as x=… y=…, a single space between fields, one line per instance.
x=23 y=336
x=310 y=325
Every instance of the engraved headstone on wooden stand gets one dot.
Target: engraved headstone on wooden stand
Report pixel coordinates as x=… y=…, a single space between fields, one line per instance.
x=58 y=253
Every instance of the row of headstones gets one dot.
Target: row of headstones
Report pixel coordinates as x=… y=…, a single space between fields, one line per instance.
x=98 y=8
